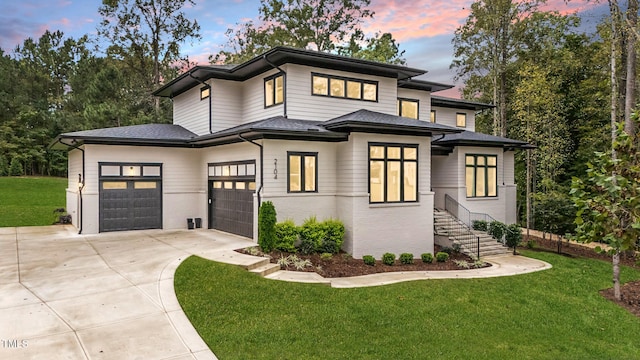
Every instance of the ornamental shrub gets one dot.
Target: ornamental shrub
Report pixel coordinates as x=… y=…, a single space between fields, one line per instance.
x=480 y=225
x=427 y=258
x=286 y=236
x=312 y=236
x=326 y=256
x=442 y=256
x=388 y=258
x=497 y=230
x=334 y=236
x=267 y=226
x=4 y=167
x=513 y=236
x=406 y=258
x=369 y=260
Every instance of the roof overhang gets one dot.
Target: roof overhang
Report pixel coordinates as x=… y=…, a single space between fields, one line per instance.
x=279 y=56
x=445 y=102
x=424 y=85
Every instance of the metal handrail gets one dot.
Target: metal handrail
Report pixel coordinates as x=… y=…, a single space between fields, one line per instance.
x=463 y=214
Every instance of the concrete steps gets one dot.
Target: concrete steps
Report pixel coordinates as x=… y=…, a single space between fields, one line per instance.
x=447 y=225
x=266 y=269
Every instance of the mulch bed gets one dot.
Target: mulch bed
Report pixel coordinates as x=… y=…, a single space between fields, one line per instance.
x=343 y=265
x=629 y=292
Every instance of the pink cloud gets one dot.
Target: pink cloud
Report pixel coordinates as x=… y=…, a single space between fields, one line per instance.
x=408 y=20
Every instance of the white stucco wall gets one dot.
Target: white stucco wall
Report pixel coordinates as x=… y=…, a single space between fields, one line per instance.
x=183 y=189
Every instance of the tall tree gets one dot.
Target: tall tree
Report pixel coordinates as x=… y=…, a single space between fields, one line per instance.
x=326 y=25
x=486 y=45
x=147 y=35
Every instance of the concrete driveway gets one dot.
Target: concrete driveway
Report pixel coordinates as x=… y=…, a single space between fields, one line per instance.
x=106 y=296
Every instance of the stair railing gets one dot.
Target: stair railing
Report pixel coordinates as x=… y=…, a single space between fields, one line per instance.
x=462 y=213
x=460 y=228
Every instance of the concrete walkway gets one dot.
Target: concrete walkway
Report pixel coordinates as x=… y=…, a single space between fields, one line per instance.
x=111 y=296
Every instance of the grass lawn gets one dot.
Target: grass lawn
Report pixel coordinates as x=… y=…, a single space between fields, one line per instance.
x=553 y=314
x=30 y=201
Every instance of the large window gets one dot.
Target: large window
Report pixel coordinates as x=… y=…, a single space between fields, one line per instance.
x=274 y=90
x=302 y=172
x=408 y=108
x=481 y=172
x=341 y=87
x=393 y=173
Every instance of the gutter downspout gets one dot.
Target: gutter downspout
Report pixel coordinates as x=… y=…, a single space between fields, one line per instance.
x=261 y=166
x=210 y=96
x=284 y=83
x=81 y=183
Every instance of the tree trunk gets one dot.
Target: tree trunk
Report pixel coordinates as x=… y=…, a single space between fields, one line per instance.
x=615 y=11
x=631 y=37
x=616 y=274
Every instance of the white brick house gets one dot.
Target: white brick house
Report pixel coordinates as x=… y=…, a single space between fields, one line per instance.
x=315 y=133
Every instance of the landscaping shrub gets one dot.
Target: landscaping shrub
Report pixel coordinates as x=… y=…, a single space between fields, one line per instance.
x=4 y=167
x=312 y=235
x=286 y=236
x=427 y=258
x=369 y=260
x=442 y=256
x=480 y=225
x=388 y=258
x=497 y=230
x=446 y=250
x=334 y=236
x=267 y=226
x=406 y=258
x=513 y=236
x=326 y=256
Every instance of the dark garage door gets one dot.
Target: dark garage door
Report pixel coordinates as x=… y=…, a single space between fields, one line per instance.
x=231 y=190
x=130 y=204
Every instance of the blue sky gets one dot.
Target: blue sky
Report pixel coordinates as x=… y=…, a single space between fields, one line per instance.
x=424 y=28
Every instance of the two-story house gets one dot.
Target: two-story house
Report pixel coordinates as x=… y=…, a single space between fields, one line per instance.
x=315 y=133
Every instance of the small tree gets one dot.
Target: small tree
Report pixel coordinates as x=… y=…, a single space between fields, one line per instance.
x=15 y=169
x=608 y=199
x=267 y=226
x=4 y=167
x=513 y=236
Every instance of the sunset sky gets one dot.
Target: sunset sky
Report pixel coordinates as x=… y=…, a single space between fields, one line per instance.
x=424 y=28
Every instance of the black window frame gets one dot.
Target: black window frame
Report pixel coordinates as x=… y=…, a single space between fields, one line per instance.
x=402 y=162
x=416 y=101
x=345 y=88
x=202 y=89
x=303 y=155
x=274 y=92
x=486 y=167
x=465 y=119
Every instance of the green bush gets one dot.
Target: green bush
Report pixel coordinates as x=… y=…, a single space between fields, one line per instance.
x=442 y=256
x=312 y=235
x=427 y=258
x=497 y=229
x=513 y=236
x=447 y=250
x=15 y=169
x=4 y=167
x=286 y=236
x=326 y=256
x=388 y=258
x=406 y=258
x=369 y=260
x=267 y=226
x=480 y=225
x=334 y=236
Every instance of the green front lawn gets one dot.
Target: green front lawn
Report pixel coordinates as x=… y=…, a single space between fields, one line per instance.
x=553 y=314
x=30 y=201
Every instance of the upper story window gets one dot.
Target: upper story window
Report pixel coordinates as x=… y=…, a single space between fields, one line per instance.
x=274 y=90
x=302 y=172
x=461 y=120
x=408 y=108
x=393 y=173
x=205 y=92
x=341 y=87
x=433 y=116
x=481 y=173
